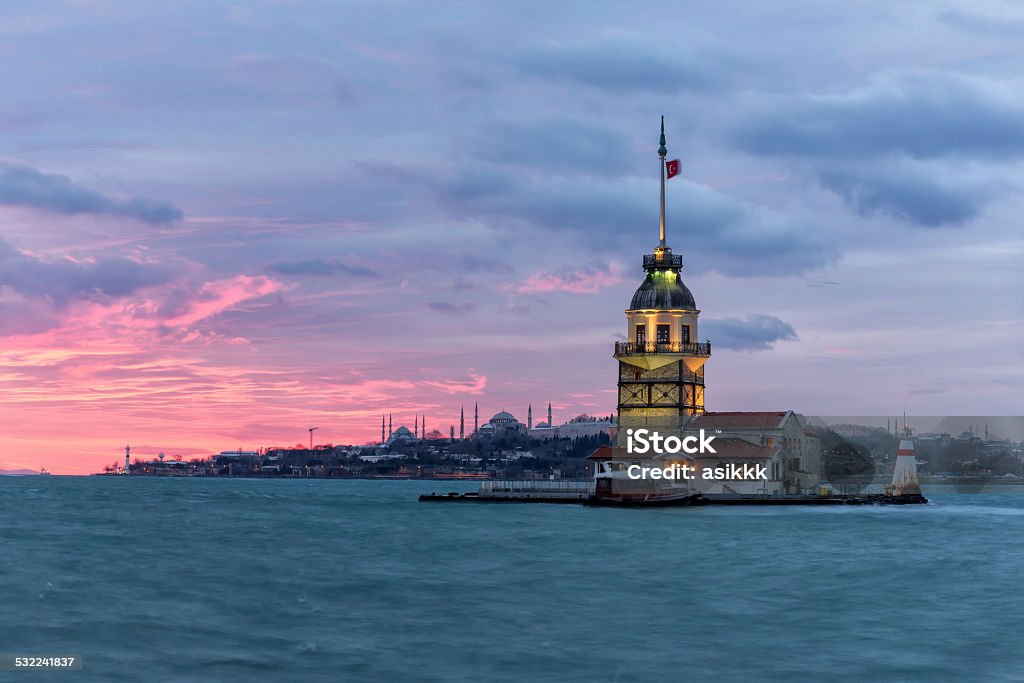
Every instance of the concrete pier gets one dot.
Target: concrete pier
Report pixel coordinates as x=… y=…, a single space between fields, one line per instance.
x=523 y=491
x=583 y=492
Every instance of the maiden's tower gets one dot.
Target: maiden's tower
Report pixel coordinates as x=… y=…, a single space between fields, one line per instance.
x=661 y=363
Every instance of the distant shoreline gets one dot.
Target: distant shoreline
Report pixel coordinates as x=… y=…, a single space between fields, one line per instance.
x=927 y=480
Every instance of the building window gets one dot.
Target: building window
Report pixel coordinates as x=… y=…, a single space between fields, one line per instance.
x=641 y=334
x=663 y=332
x=685 y=338
x=794 y=464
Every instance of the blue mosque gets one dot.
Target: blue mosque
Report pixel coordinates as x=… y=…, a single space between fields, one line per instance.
x=502 y=424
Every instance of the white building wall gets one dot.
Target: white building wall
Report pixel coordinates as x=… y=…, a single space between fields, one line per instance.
x=573 y=430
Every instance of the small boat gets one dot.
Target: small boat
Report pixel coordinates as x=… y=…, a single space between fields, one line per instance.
x=43 y=472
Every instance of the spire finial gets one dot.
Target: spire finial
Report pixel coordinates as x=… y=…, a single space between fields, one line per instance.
x=662 y=151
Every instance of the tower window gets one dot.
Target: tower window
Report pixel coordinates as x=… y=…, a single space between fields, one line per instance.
x=685 y=337
x=663 y=332
x=641 y=334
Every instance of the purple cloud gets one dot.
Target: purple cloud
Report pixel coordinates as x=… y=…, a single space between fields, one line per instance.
x=753 y=333
x=25 y=186
x=60 y=281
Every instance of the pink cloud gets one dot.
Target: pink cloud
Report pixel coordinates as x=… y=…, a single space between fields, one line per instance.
x=221 y=295
x=587 y=281
x=474 y=386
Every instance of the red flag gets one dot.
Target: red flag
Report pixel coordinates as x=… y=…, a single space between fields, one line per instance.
x=671 y=168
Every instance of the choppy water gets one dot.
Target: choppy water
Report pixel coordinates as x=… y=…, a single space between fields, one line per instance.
x=256 y=580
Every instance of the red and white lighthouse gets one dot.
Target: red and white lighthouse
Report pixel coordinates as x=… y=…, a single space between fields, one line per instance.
x=904 y=475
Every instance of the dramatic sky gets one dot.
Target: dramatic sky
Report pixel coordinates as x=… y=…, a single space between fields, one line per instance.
x=222 y=223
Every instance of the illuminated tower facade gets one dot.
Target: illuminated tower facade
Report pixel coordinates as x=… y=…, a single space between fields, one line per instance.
x=661 y=363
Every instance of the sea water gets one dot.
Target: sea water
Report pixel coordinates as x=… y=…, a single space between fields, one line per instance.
x=333 y=580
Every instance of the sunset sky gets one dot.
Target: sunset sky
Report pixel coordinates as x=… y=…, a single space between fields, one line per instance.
x=223 y=223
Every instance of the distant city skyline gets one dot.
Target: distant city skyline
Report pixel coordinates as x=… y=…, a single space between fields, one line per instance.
x=222 y=225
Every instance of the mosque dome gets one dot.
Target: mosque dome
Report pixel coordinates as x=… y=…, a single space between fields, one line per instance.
x=402 y=433
x=503 y=418
x=664 y=290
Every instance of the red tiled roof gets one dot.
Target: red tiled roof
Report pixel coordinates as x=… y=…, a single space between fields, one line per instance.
x=737 y=420
x=738 y=449
x=725 y=447
x=607 y=453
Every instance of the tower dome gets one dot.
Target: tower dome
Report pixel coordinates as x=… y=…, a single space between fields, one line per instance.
x=663 y=290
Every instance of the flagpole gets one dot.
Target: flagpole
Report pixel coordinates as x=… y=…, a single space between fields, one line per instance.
x=662 y=151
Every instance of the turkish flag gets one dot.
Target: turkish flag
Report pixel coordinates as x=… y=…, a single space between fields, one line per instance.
x=671 y=168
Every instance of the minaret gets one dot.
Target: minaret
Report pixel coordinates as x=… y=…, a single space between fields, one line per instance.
x=904 y=474
x=451 y=432
x=476 y=418
x=382 y=437
x=416 y=427
x=423 y=427
x=550 y=422
x=127 y=453
x=390 y=431
x=462 y=422
x=529 y=417
x=661 y=363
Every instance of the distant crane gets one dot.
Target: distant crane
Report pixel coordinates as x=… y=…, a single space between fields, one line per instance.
x=311 y=430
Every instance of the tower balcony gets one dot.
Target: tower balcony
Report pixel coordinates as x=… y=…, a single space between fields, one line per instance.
x=653 y=355
x=646 y=348
x=664 y=259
